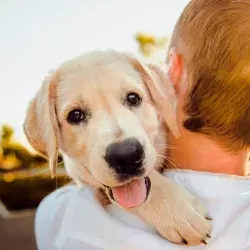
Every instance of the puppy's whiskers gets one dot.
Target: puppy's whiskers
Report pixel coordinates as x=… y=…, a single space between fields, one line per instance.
x=163 y=163
x=162 y=134
x=38 y=173
x=67 y=181
x=167 y=159
x=60 y=163
x=171 y=161
x=165 y=146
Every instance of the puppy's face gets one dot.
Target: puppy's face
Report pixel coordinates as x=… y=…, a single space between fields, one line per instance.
x=107 y=120
x=108 y=125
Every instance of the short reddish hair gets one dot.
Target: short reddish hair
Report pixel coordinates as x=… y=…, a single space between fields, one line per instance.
x=214 y=38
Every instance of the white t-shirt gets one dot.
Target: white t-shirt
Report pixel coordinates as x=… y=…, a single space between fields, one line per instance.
x=71 y=219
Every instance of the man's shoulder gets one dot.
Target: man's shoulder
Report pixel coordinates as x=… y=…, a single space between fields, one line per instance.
x=65 y=195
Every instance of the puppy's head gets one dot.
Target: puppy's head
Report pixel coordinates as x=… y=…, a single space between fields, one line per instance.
x=103 y=111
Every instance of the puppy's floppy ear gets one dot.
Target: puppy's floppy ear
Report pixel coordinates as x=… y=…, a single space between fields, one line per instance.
x=161 y=90
x=41 y=125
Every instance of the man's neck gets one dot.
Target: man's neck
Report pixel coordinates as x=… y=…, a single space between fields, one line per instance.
x=197 y=152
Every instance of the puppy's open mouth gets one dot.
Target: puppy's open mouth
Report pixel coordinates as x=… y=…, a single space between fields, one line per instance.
x=131 y=194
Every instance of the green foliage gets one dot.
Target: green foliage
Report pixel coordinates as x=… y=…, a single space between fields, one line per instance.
x=150 y=45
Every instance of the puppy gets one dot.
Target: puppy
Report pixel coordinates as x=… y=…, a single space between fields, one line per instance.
x=107 y=112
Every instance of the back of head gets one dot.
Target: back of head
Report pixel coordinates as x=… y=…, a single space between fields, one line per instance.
x=213 y=36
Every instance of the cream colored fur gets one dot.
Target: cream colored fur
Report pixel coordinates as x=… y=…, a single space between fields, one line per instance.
x=99 y=81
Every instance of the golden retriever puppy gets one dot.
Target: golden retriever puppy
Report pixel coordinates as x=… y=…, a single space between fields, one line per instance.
x=107 y=113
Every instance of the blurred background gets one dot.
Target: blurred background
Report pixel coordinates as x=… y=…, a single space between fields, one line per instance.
x=36 y=36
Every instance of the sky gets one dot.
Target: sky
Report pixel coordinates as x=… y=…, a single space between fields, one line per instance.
x=36 y=36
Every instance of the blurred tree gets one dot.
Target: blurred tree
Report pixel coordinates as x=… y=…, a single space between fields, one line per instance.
x=152 y=47
x=22 y=172
x=13 y=155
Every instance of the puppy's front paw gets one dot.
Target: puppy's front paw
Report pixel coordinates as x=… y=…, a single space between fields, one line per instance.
x=183 y=219
x=175 y=213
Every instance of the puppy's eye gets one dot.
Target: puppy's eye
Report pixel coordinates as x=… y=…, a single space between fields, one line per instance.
x=76 y=116
x=133 y=99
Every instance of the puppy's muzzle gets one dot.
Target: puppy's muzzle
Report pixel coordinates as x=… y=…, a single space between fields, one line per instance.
x=126 y=157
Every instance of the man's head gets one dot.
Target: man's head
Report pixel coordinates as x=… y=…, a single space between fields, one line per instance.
x=209 y=64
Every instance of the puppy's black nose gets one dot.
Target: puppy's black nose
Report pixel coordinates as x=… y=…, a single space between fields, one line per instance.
x=125 y=157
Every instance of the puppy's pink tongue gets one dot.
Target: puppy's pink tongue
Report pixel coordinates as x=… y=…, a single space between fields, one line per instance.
x=131 y=194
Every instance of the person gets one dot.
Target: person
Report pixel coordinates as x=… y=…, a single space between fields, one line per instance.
x=209 y=65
